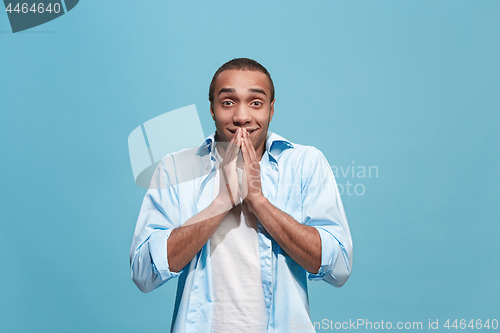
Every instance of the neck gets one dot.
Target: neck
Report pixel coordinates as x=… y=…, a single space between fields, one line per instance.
x=260 y=151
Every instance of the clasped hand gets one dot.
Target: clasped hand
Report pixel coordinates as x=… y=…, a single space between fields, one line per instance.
x=231 y=191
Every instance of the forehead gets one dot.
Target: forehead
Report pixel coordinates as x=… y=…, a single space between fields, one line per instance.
x=242 y=81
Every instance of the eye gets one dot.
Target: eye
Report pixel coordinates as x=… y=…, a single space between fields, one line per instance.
x=227 y=103
x=256 y=103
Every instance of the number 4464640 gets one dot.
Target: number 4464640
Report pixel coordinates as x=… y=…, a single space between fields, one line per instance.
x=24 y=8
x=477 y=324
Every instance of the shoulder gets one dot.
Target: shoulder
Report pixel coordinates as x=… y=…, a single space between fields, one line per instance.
x=185 y=165
x=287 y=152
x=307 y=152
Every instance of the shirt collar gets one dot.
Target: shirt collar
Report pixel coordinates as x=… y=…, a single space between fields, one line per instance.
x=275 y=144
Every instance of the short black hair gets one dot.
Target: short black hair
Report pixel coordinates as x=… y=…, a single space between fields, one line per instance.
x=241 y=64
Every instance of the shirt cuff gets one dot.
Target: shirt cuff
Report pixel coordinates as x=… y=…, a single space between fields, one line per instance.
x=329 y=252
x=158 y=251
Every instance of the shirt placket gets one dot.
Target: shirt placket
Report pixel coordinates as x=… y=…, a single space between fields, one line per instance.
x=201 y=292
x=269 y=181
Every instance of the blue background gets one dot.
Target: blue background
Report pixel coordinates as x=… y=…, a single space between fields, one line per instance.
x=411 y=87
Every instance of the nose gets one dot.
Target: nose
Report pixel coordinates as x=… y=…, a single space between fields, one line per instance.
x=241 y=116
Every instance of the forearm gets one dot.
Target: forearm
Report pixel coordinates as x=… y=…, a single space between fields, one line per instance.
x=184 y=242
x=301 y=242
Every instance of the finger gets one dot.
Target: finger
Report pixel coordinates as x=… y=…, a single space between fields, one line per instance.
x=237 y=146
x=234 y=142
x=246 y=153
x=233 y=147
x=244 y=185
x=254 y=161
x=253 y=152
x=228 y=188
x=248 y=158
x=250 y=150
x=226 y=147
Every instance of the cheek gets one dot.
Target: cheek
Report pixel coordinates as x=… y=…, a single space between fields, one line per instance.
x=220 y=121
x=224 y=119
x=264 y=122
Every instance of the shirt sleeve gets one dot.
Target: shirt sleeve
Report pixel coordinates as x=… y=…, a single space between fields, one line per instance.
x=322 y=209
x=158 y=216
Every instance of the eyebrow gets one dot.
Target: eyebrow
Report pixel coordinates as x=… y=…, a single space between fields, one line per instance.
x=260 y=91
x=223 y=90
x=231 y=90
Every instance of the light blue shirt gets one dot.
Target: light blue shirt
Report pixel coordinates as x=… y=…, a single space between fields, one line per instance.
x=295 y=178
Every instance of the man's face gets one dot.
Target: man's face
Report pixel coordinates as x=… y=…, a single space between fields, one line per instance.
x=242 y=99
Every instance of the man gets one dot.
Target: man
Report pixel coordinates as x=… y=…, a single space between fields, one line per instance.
x=243 y=220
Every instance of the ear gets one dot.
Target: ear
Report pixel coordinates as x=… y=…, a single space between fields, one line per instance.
x=212 y=111
x=271 y=111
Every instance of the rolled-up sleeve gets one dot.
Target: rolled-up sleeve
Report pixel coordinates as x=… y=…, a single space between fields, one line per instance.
x=329 y=253
x=322 y=209
x=158 y=216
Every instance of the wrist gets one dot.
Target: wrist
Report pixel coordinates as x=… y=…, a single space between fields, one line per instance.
x=221 y=205
x=257 y=203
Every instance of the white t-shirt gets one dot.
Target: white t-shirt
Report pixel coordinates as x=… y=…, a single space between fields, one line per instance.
x=238 y=297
